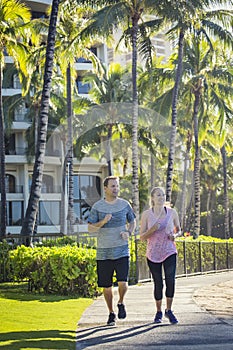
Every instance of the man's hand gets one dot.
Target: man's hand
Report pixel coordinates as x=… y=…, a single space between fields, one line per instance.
x=107 y=218
x=125 y=235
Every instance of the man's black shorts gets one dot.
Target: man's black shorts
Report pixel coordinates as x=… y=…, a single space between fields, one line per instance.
x=106 y=268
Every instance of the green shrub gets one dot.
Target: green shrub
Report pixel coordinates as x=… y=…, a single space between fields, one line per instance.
x=64 y=270
x=58 y=242
x=4 y=261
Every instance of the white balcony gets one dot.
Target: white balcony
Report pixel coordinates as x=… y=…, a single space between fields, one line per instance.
x=11 y=92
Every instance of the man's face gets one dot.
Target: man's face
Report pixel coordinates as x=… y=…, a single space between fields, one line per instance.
x=112 y=189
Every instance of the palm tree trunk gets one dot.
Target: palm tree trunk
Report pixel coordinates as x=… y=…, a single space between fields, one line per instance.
x=226 y=199
x=197 y=201
x=35 y=192
x=63 y=197
x=171 y=154
x=3 y=164
x=109 y=150
x=135 y=180
x=209 y=215
x=184 y=183
x=70 y=217
x=152 y=171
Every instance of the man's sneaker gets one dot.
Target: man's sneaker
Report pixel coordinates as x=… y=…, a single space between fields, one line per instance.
x=111 y=319
x=172 y=318
x=158 y=317
x=121 y=311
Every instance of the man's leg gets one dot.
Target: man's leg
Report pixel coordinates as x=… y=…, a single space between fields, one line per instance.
x=122 y=289
x=122 y=271
x=108 y=296
x=105 y=271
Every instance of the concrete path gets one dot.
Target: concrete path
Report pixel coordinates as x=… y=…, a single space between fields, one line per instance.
x=197 y=329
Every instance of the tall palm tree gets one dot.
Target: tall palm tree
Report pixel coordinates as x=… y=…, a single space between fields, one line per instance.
x=72 y=19
x=184 y=17
x=220 y=140
x=210 y=82
x=111 y=87
x=13 y=17
x=35 y=192
x=225 y=188
x=128 y=15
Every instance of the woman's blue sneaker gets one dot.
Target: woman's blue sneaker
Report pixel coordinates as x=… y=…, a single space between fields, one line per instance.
x=172 y=318
x=158 y=317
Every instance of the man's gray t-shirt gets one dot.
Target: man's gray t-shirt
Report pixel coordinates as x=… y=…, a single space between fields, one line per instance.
x=110 y=244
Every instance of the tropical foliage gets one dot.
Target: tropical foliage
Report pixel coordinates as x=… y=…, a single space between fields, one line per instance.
x=180 y=119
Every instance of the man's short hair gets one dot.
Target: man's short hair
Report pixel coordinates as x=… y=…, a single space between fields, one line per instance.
x=108 y=178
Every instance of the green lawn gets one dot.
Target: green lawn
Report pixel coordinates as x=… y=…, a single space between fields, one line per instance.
x=32 y=321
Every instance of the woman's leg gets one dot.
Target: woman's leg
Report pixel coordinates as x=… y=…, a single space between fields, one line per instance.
x=170 y=273
x=156 y=272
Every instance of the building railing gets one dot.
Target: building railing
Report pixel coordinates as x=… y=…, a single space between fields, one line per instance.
x=14 y=189
x=18 y=151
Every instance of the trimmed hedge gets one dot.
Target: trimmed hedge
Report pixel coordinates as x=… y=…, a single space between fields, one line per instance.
x=60 y=270
x=71 y=269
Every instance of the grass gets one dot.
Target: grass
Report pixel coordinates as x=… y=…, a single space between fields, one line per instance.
x=33 y=321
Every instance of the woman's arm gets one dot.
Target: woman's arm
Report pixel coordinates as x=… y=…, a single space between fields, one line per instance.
x=177 y=228
x=176 y=223
x=144 y=231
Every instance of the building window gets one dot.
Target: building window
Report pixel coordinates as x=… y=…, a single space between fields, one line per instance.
x=10 y=183
x=87 y=191
x=83 y=88
x=14 y=213
x=37 y=14
x=49 y=213
x=20 y=113
x=16 y=82
x=10 y=145
x=47 y=184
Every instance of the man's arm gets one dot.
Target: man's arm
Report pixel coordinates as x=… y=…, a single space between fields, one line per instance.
x=94 y=227
x=131 y=226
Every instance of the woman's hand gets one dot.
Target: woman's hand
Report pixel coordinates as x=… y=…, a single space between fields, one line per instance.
x=155 y=227
x=171 y=237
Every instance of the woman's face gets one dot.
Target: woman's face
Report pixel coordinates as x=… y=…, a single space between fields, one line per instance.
x=158 y=197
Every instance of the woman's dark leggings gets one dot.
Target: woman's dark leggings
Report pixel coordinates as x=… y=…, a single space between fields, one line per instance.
x=169 y=266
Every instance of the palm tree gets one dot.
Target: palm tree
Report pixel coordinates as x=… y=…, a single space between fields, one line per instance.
x=225 y=188
x=13 y=16
x=35 y=192
x=209 y=80
x=128 y=15
x=72 y=19
x=220 y=140
x=110 y=87
x=184 y=17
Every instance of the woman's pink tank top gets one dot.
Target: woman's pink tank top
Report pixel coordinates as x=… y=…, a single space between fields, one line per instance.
x=159 y=246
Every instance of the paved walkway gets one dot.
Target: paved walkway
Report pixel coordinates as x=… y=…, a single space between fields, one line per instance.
x=197 y=329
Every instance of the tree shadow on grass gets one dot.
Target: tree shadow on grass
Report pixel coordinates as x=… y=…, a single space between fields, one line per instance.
x=49 y=339
x=19 y=291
